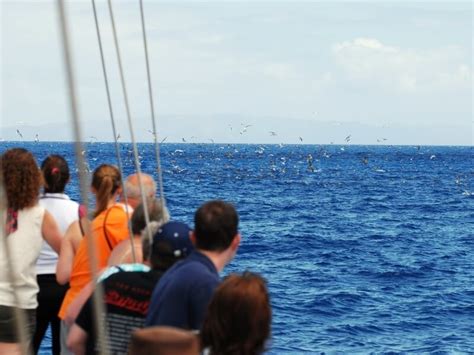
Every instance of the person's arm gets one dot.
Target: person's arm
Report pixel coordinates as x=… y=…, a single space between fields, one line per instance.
x=76 y=232
x=69 y=246
x=76 y=305
x=76 y=340
x=50 y=231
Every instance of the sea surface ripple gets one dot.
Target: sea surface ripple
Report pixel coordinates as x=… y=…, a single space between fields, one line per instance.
x=365 y=249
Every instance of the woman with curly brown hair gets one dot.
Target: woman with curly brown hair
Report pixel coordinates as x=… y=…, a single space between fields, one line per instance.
x=238 y=318
x=27 y=224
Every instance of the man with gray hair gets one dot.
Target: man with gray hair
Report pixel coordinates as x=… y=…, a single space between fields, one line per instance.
x=132 y=189
x=123 y=251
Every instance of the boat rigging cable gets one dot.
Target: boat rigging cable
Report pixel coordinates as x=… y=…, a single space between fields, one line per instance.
x=71 y=86
x=152 y=108
x=114 y=131
x=130 y=125
x=20 y=318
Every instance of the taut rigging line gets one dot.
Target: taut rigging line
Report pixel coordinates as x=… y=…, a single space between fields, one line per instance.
x=71 y=86
x=114 y=130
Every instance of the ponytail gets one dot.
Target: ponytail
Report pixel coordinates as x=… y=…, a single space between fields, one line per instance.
x=55 y=174
x=105 y=180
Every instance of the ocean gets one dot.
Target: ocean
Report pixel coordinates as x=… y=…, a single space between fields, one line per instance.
x=365 y=248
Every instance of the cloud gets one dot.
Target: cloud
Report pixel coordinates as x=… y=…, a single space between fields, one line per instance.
x=279 y=71
x=369 y=61
x=210 y=39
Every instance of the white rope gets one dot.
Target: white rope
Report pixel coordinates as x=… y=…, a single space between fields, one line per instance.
x=130 y=125
x=112 y=120
x=20 y=319
x=98 y=292
x=152 y=109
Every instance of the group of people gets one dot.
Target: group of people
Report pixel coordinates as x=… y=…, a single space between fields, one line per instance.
x=157 y=279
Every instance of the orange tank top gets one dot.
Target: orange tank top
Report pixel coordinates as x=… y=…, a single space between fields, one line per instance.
x=108 y=229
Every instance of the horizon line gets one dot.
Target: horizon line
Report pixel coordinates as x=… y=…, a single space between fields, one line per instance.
x=257 y=143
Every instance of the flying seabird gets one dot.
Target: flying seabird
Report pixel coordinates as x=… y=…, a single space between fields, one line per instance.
x=246 y=126
x=36 y=138
x=348 y=138
x=272 y=133
x=19 y=133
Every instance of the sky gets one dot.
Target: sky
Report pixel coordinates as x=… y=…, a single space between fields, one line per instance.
x=313 y=72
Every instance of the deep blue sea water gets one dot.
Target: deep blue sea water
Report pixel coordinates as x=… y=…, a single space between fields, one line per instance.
x=370 y=250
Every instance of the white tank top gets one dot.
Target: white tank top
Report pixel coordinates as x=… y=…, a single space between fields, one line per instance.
x=25 y=245
x=64 y=212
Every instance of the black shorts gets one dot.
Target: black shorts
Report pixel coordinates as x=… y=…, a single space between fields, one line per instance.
x=8 y=332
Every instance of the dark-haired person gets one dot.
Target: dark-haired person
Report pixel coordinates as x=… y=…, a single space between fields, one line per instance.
x=181 y=297
x=127 y=293
x=55 y=172
x=27 y=224
x=238 y=319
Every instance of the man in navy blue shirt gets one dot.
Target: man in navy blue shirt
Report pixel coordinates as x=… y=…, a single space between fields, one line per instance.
x=181 y=296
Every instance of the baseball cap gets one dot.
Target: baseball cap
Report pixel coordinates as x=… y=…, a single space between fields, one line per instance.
x=173 y=239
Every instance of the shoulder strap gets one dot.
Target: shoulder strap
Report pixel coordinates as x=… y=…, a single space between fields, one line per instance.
x=81 y=212
x=105 y=229
x=81 y=227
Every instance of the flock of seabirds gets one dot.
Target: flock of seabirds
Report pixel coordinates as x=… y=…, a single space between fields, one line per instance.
x=244 y=128
x=157 y=288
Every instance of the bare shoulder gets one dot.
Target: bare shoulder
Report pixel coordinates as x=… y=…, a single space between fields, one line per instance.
x=122 y=253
